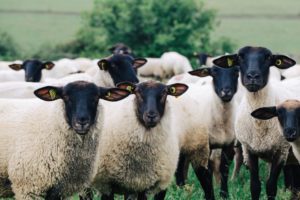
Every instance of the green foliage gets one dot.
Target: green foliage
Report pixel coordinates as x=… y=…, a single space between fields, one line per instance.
x=8 y=47
x=149 y=27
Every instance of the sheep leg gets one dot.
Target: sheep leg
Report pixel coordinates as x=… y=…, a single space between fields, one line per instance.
x=53 y=193
x=288 y=176
x=182 y=170
x=87 y=194
x=238 y=161
x=161 y=195
x=142 y=196
x=205 y=177
x=107 y=197
x=226 y=158
x=294 y=180
x=255 y=185
x=276 y=168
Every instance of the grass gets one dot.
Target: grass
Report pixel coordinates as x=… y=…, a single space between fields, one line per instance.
x=239 y=189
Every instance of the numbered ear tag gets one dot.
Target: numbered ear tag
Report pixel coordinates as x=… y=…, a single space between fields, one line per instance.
x=129 y=88
x=108 y=95
x=278 y=62
x=52 y=94
x=173 y=90
x=229 y=62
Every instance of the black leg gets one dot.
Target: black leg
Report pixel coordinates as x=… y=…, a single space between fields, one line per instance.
x=107 y=197
x=54 y=193
x=205 y=178
x=142 y=196
x=255 y=185
x=88 y=194
x=226 y=158
x=182 y=170
x=295 y=181
x=161 y=195
x=288 y=176
x=238 y=161
x=276 y=168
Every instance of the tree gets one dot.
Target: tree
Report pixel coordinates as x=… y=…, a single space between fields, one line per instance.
x=149 y=27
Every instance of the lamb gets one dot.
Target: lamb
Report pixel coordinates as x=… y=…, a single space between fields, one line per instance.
x=260 y=139
x=118 y=68
x=140 y=158
x=214 y=98
x=49 y=149
x=33 y=69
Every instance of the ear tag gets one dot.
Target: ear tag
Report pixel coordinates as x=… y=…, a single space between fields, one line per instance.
x=52 y=94
x=205 y=71
x=108 y=95
x=229 y=62
x=278 y=62
x=173 y=90
x=47 y=66
x=129 y=88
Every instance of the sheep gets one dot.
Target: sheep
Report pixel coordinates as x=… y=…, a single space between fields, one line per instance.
x=118 y=68
x=174 y=63
x=4 y=65
x=24 y=90
x=214 y=98
x=153 y=68
x=259 y=139
x=49 y=149
x=33 y=69
x=288 y=114
x=140 y=158
x=63 y=67
x=121 y=48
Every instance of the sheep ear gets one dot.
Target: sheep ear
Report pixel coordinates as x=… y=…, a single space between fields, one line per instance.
x=265 y=113
x=139 y=62
x=16 y=67
x=177 y=89
x=226 y=61
x=113 y=94
x=202 y=72
x=103 y=64
x=282 y=61
x=127 y=86
x=48 y=93
x=48 y=65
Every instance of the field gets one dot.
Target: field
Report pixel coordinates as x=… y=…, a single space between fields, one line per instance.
x=274 y=24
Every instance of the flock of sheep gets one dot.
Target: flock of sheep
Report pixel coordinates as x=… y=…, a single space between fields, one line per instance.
x=72 y=125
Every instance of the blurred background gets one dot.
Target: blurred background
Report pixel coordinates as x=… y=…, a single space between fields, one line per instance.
x=54 y=29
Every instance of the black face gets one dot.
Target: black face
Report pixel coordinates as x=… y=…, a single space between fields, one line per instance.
x=225 y=82
x=289 y=120
x=255 y=67
x=151 y=100
x=255 y=63
x=120 y=67
x=120 y=48
x=33 y=70
x=81 y=102
x=202 y=57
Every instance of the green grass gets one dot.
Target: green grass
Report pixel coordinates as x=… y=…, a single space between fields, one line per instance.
x=268 y=23
x=239 y=189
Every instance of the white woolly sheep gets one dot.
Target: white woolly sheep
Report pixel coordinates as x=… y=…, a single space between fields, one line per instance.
x=49 y=149
x=260 y=139
x=140 y=158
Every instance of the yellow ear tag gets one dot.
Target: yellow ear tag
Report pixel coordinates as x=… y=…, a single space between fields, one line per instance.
x=229 y=62
x=108 y=95
x=278 y=62
x=172 y=90
x=103 y=66
x=129 y=88
x=52 y=94
x=47 y=66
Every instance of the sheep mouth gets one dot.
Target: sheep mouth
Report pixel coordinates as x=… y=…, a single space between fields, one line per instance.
x=81 y=129
x=253 y=87
x=226 y=98
x=290 y=139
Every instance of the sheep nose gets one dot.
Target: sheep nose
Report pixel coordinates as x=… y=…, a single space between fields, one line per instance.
x=226 y=92
x=253 y=75
x=151 y=115
x=82 y=120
